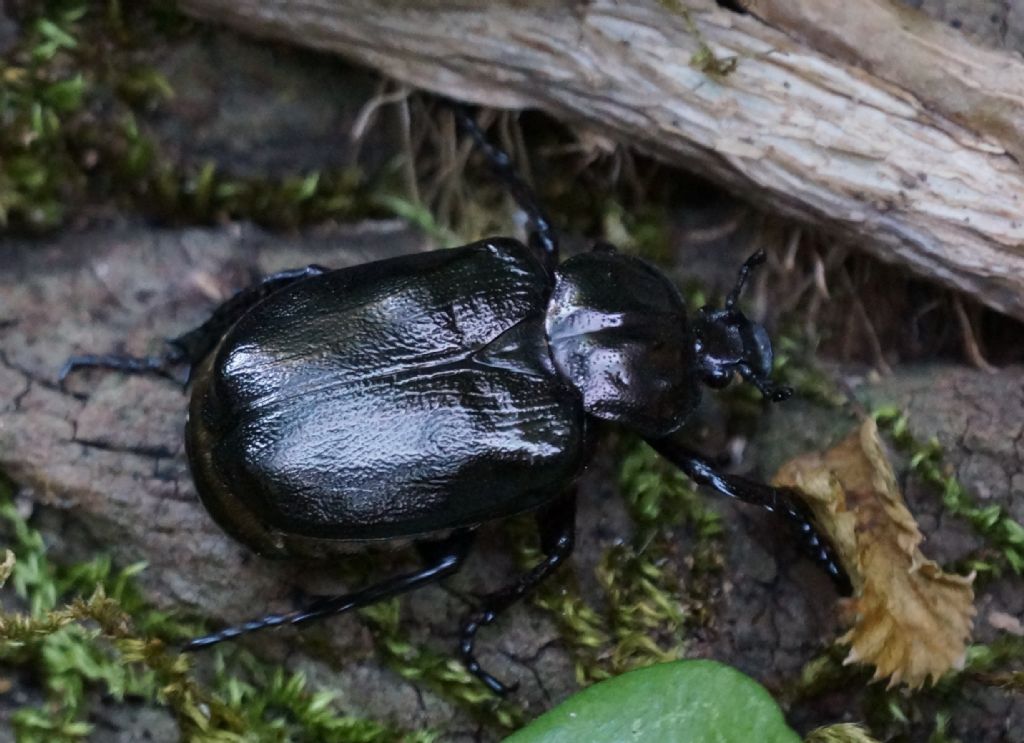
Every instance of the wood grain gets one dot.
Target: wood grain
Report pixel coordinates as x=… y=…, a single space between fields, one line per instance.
x=795 y=129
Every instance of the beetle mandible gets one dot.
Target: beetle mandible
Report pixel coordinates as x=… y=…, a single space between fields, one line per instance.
x=421 y=396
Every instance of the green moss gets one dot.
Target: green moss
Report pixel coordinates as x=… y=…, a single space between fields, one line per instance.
x=823 y=673
x=39 y=92
x=114 y=642
x=69 y=93
x=704 y=59
x=1004 y=536
x=441 y=673
x=643 y=587
x=649 y=604
x=939 y=734
x=644 y=231
x=796 y=366
x=583 y=631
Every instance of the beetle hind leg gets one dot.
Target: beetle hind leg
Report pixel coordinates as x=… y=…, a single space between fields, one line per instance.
x=196 y=344
x=556 y=525
x=442 y=558
x=160 y=365
x=192 y=347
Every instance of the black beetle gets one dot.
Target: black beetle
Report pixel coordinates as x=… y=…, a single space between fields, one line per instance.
x=421 y=396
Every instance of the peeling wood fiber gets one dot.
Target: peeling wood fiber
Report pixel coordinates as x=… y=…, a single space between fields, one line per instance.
x=794 y=128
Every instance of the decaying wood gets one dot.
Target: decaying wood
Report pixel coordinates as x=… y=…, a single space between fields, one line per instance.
x=981 y=89
x=791 y=127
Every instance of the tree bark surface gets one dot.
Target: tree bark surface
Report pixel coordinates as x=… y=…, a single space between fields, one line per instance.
x=889 y=132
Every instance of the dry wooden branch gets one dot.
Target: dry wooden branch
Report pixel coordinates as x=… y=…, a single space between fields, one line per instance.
x=791 y=128
x=979 y=88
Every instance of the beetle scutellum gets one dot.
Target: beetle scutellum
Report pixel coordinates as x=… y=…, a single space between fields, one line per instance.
x=421 y=396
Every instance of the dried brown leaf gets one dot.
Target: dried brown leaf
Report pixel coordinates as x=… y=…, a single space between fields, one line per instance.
x=910 y=620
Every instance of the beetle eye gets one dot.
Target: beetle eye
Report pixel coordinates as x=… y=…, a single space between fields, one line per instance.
x=718 y=378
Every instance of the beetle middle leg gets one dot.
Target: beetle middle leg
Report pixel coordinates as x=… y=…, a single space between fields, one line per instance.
x=778 y=500
x=442 y=558
x=557 y=525
x=192 y=347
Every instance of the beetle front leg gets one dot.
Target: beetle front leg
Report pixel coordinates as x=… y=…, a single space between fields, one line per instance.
x=778 y=500
x=192 y=347
x=443 y=558
x=557 y=526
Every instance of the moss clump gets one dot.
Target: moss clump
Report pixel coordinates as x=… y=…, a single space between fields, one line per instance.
x=114 y=643
x=645 y=617
x=1003 y=535
x=704 y=59
x=641 y=578
x=70 y=91
x=39 y=92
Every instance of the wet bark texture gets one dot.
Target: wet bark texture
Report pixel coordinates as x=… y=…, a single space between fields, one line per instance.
x=880 y=125
x=101 y=466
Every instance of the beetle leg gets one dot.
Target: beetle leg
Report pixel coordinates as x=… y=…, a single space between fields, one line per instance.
x=542 y=233
x=196 y=344
x=160 y=365
x=192 y=347
x=777 y=500
x=557 y=525
x=444 y=557
x=746 y=269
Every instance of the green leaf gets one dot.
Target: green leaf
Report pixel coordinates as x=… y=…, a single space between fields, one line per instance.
x=66 y=95
x=55 y=34
x=308 y=186
x=696 y=701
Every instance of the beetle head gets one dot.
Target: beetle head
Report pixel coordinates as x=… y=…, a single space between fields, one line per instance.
x=727 y=341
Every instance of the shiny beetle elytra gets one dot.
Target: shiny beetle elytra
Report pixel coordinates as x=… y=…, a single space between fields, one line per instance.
x=421 y=396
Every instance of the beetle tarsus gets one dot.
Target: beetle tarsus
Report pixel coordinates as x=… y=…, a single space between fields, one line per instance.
x=160 y=365
x=192 y=347
x=469 y=630
x=557 y=525
x=770 y=391
x=778 y=500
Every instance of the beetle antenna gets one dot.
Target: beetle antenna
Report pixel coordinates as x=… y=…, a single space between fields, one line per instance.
x=542 y=233
x=745 y=270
